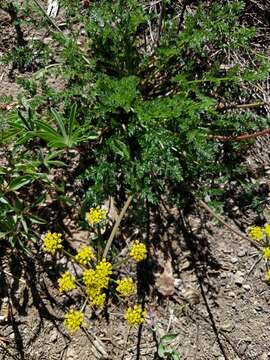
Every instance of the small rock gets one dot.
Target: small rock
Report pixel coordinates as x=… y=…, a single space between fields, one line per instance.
x=239 y=278
x=242 y=347
x=248 y=339
x=179 y=284
x=227 y=326
x=71 y=353
x=216 y=350
x=234 y=260
x=247 y=287
x=242 y=252
x=263 y=356
x=53 y=336
x=231 y=294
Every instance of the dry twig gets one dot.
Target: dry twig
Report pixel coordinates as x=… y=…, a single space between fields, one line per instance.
x=220 y=219
x=240 y=137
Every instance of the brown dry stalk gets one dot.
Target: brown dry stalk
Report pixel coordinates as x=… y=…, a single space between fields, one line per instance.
x=116 y=225
x=222 y=106
x=245 y=136
x=229 y=227
x=240 y=137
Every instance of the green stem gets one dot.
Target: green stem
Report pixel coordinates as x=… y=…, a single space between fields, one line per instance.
x=115 y=228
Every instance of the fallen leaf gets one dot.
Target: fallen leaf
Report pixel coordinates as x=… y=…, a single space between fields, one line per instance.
x=166 y=282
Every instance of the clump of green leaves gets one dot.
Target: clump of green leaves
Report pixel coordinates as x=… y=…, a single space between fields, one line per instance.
x=165 y=351
x=140 y=101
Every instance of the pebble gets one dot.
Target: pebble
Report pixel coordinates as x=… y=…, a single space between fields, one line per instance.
x=216 y=350
x=242 y=252
x=248 y=339
x=227 y=326
x=247 y=287
x=242 y=347
x=71 y=354
x=234 y=260
x=231 y=294
x=53 y=336
x=179 y=284
x=239 y=278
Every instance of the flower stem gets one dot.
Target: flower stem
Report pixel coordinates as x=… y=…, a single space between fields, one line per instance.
x=115 y=228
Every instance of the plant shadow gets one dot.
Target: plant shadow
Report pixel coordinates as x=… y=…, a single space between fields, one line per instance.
x=22 y=283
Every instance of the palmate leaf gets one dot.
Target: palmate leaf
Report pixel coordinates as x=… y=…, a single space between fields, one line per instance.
x=66 y=133
x=16 y=129
x=51 y=136
x=60 y=121
x=60 y=132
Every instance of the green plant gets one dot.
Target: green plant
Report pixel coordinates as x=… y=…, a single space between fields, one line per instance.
x=18 y=215
x=143 y=110
x=97 y=281
x=58 y=132
x=141 y=104
x=164 y=349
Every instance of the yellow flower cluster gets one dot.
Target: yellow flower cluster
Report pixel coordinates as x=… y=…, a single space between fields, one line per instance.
x=89 y=277
x=135 y=315
x=99 y=276
x=103 y=272
x=258 y=233
x=96 y=280
x=74 y=320
x=266 y=252
x=96 y=296
x=84 y=255
x=96 y=215
x=267 y=230
x=267 y=276
x=126 y=287
x=66 y=282
x=138 y=251
x=52 y=242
